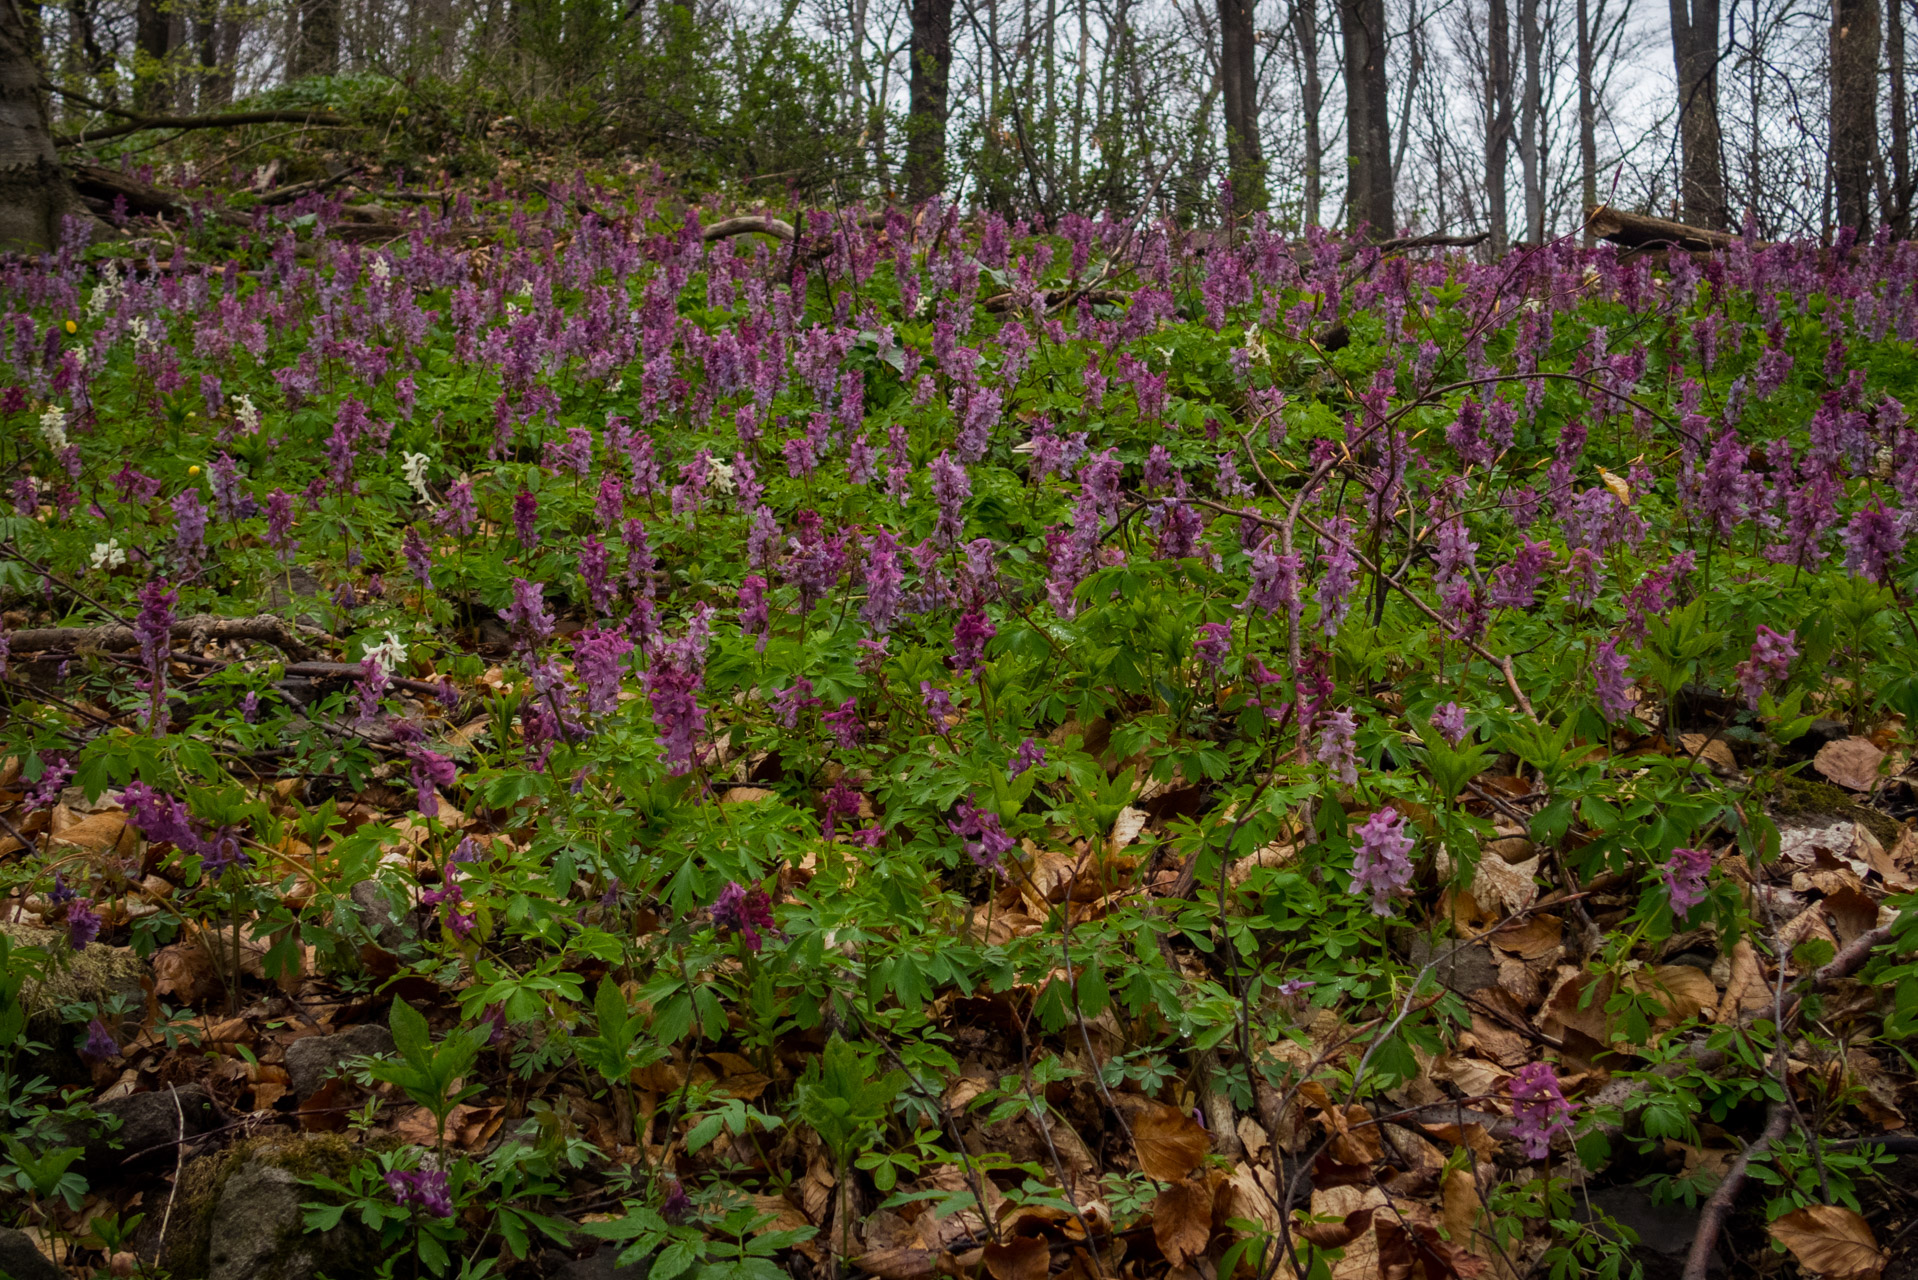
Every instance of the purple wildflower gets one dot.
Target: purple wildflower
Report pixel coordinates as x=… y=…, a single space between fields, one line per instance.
x=100 y=1044
x=1873 y=542
x=1684 y=875
x=951 y=486
x=844 y=724
x=1515 y=585
x=1031 y=755
x=1380 y=862
x=279 y=522
x=938 y=705
x=424 y=1188
x=743 y=911
x=969 y=638
x=419 y=557
x=1214 y=642
x=787 y=703
x=83 y=923
x=1275 y=581
x=432 y=772
x=986 y=841
x=677 y=1205
x=1770 y=661
x=1610 y=682
x=154 y=628
x=56 y=771
x=189 y=530
x=1449 y=719
x=755 y=612
x=527 y=614
x=1340 y=577
x=526 y=519
x=1582 y=571
x=598 y=661
x=1539 y=1108
x=1338 y=746
x=160 y=817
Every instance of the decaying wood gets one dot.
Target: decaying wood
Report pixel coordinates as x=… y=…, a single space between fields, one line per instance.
x=763 y=224
x=1635 y=230
x=264 y=628
x=222 y=120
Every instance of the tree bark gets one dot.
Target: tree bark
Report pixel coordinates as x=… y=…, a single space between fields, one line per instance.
x=152 y=42
x=1368 y=124
x=1854 y=108
x=1498 y=119
x=1587 y=117
x=1531 y=124
x=1898 y=213
x=1305 y=27
x=1695 y=58
x=1239 y=82
x=316 y=47
x=931 y=52
x=34 y=192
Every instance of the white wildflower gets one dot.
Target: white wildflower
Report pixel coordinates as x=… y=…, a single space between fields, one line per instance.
x=108 y=555
x=722 y=475
x=388 y=653
x=413 y=468
x=247 y=414
x=53 y=427
x=381 y=270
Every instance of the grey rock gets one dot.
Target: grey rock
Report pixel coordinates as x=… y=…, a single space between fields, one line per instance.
x=1661 y=1228
x=1463 y=967
x=599 y=1265
x=151 y=1124
x=376 y=912
x=257 y=1231
x=311 y=1059
x=19 y=1260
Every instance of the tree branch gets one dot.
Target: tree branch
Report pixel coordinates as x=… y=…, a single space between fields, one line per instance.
x=221 y=120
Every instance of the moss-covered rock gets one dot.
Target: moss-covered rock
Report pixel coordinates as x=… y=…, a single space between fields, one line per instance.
x=96 y=975
x=244 y=1220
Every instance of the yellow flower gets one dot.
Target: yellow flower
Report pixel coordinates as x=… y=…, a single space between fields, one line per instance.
x=72 y=327
x=193 y=470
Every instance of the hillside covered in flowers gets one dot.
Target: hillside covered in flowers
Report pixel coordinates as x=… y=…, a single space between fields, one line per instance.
x=583 y=729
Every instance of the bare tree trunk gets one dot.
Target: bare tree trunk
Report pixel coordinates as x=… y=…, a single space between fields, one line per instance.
x=1531 y=41
x=1498 y=119
x=1854 y=108
x=1239 y=84
x=316 y=50
x=1305 y=27
x=83 y=31
x=152 y=42
x=34 y=193
x=1587 y=118
x=1898 y=209
x=1695 y=57
x=1368 y=124
x=931 y=53
x=232 y=27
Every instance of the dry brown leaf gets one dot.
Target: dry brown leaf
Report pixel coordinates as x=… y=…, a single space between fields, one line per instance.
x=898 y=1264
x=1532 y=938
x=95 y=834
x=1833 y=1241
x=1126 y=828
x=1745 y=989
x=1169 y=1142
x=1182 y=1221
x=185 y=971
x=1502 y=887
x=325 y=1111
x=1713 y=751
x=1852 y=763
x=1020 y=1258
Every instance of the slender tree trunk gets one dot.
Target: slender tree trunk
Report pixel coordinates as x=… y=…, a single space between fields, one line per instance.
x=1239 y=84
x=1695 y=58
x=1898 y=210
x=931 y=53
x=34 y=193
x=1587 y=119
x=316 y=49
x=1415 y=48
x=1368 y=124
x=1305 y=28
x=1854 y=108
x=1498 y=120
x=232 y=27
x=152 y=42
x=1530 y=148
x=84 y=32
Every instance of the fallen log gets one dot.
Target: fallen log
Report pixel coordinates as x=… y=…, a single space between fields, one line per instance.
x=1637 y=231
x=264 y=628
